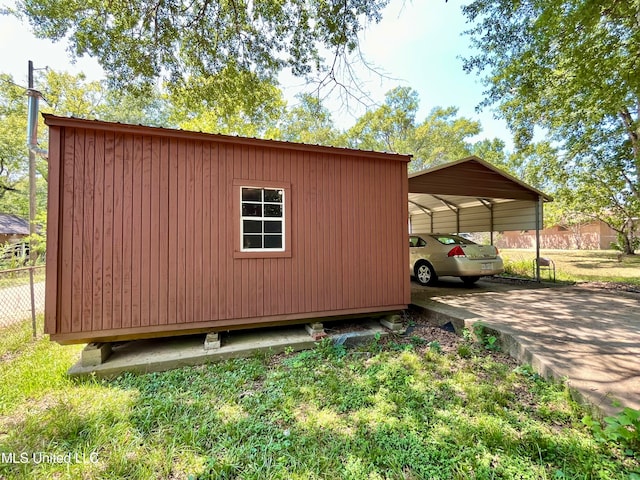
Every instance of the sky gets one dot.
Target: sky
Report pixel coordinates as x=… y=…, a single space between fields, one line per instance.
x=417 y=44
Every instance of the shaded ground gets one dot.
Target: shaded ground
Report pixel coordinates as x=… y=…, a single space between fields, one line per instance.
x=612 y=287
x=591 y=336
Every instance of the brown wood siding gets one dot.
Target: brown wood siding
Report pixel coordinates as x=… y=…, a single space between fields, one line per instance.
x=54 y=264
x=141 y=233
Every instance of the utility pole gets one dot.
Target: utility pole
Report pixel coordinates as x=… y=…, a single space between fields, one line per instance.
x=32 y=142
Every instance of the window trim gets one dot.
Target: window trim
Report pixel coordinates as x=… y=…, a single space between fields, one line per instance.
x=238 y=251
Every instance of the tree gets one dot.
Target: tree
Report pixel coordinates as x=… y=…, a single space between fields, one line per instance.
x=444 y=137
x=593 y=189
x=140 y=42
x=152 y=109
x=71 y=95
x=391 y=126
x=441 y=137
x=66 y=95
x=210 y=104
x=570 y=68
x=13 y=147
x=310 y=122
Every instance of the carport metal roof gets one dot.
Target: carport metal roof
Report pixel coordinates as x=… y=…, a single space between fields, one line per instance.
x=471 y=195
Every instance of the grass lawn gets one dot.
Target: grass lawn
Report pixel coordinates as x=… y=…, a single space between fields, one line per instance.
x=577 y=265
x=21 y=277
x=424 y=405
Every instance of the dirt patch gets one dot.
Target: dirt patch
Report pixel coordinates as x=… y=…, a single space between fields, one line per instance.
x=420 y=333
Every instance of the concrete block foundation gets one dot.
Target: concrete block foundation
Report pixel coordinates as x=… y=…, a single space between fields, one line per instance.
x=316 y=330
x=212 y=341
x=157 y=355
x=393 y=323
x=95 y=354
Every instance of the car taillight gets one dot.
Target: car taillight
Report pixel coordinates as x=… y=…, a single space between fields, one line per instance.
x=456 y=251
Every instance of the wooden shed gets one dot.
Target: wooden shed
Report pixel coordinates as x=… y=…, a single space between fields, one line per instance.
x=160 y=232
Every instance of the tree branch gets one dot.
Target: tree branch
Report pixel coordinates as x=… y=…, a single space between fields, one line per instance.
x=628 y=123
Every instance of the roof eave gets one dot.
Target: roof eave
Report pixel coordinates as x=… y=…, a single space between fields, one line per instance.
x=54 y=120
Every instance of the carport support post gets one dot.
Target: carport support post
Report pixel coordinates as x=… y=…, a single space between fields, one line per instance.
x=491 y=220
x=538 y=227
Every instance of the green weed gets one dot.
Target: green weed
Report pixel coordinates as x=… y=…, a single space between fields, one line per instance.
x=518 y=268
x=330 y=412
x=622 y=429
x=20 y=277
x=435 y=346
x=464 y=350
x=467 y=335
x=487 y=340
x=528 y=372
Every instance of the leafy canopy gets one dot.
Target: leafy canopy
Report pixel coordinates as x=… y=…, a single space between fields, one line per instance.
x=310 y=122
x=566 y=65
x=441 y=137
x=176 y=40
x=210 y=104
x=13 y=139
x=569 y=68
x=66 y=95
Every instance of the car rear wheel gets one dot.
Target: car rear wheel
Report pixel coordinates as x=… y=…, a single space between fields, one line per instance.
x=469 y=280
x=425 y=274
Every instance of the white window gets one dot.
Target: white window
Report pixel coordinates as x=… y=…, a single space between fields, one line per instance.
x=262 y=219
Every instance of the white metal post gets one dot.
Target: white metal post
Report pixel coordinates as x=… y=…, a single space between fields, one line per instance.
x=538 y=227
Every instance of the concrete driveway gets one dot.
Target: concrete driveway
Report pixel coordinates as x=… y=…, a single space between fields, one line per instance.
x=590 y=337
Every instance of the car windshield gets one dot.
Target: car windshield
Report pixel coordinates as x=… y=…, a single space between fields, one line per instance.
x=452 y=240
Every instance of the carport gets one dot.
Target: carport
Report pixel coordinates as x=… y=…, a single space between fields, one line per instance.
x=471 y=195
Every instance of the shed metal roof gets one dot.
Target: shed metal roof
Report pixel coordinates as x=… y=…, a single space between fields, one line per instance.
x=72 y=122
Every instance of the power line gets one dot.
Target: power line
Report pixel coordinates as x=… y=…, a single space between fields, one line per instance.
x=12 y=83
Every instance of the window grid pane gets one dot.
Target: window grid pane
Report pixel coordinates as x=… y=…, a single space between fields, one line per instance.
x=262 y=215
x=273 y=241
x=252 y=241
x=251 y=194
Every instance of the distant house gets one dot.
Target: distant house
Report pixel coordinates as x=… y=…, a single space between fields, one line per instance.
x=587 y=236
x=12 y=228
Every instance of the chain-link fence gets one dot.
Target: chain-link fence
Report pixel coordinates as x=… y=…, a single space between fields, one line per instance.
x=21 y=306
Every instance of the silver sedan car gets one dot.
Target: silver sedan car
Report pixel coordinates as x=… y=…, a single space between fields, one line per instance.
x=433 y=255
